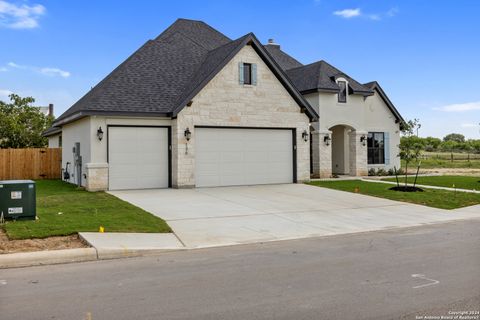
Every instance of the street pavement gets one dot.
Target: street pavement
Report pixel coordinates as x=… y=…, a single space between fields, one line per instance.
x=393 y=274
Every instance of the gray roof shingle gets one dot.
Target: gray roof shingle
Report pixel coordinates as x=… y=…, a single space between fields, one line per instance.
x=160 y=76
x=321 y=76
x=284 y=60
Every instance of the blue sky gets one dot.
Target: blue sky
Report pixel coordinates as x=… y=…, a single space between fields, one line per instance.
x=425 y=54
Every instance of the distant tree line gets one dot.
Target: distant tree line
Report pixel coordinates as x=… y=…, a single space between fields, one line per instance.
x=453 y=142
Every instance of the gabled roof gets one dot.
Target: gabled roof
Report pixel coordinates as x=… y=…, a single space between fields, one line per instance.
x=161 y=77
x=321 y=76
x=375 y=86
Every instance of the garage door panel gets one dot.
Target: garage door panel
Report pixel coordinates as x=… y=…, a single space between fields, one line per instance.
x=235 y=156
x=138 y=158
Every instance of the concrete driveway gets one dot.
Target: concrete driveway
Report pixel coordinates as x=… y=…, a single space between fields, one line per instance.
x=207 y=217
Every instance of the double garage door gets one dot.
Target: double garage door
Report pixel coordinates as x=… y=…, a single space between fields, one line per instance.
x=139 y=157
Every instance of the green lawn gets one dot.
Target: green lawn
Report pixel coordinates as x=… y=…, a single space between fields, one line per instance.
x=460 y=182
x=430 y=197
x=81 y=211
x=442 y=163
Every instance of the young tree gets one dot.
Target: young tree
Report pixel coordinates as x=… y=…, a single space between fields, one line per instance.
x=410 y=147
x=21 y=124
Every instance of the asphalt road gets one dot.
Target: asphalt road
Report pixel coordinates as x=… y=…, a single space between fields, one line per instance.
x=362 y=276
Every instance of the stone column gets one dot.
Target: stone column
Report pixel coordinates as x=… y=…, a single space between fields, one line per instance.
x=97 y=176
x=358 y=153
x=321 y=154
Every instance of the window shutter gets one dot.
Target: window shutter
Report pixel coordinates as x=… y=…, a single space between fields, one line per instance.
x=386 y=146
x=240 y=72
x=254 y=74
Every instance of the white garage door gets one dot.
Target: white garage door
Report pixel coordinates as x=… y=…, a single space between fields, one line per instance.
x=138 y=157
x=228 y=157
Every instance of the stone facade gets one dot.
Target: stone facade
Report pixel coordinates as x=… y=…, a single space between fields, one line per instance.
x=358 y=154
x=225 y=102
x=97 y=176
x=321 y=155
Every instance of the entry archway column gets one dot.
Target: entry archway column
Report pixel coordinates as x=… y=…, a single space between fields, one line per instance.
x=322 y=154
x=358 y=153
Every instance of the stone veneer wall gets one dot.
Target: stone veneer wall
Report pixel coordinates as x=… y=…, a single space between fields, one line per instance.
x=225 y=102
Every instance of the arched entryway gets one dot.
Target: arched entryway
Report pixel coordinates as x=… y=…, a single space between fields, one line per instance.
x=341 y=150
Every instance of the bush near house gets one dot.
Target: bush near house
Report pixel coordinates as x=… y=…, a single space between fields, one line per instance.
x=64 y=209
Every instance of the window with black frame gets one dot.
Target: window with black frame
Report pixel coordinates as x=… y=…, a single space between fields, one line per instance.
x=376 y=147
x=247 y=73
x=342 y=94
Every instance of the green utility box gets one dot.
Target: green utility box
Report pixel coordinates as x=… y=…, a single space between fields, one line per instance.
x=18 y=199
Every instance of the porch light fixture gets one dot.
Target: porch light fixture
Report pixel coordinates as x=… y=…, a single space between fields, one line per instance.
x=187 y=134
x=363 y=140
x=305 y=135
x=327 y=139
x=100 y=133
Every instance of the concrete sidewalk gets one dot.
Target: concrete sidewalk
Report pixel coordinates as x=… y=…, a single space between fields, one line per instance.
x=117 y=244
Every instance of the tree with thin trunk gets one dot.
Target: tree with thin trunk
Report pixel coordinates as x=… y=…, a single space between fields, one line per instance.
x=410 y=148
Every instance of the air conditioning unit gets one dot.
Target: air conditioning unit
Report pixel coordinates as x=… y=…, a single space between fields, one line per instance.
x=18 y=199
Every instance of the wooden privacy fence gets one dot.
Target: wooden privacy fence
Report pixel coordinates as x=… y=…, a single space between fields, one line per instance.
x=32 y=163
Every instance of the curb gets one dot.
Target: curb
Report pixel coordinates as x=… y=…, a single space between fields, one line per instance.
x=38 y=258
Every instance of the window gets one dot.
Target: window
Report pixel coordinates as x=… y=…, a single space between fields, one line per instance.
x=247 y=73
x=376 y=147
x=60 y=141
x=342 y=94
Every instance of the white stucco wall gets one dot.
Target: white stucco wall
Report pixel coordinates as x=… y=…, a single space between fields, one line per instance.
x=224 y=102
x=77 y=131
x=369 y=114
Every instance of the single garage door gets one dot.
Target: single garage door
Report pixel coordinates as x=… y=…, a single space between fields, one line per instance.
x=234 y=156
x=138 y=157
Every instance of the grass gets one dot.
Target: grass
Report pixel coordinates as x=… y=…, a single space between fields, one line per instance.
x=460 y=182
x=433 y=163
x=81 y=211
x=430 y=197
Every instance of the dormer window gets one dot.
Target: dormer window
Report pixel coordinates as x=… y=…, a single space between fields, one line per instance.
x=342 y=94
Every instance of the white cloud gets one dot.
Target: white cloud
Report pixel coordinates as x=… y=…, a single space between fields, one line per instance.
x=460 y=107
x=348 y=13
x=357 y=12
x=3 y=69
x=54 y=72
x=48 y=71
x=20 y=16
x=469 y=125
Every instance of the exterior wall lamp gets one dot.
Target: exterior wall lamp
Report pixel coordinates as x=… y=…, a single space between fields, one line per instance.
x=363 y=140
x=326 y=139
x=187 y=134
x=100 y=133
x=305 y=135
